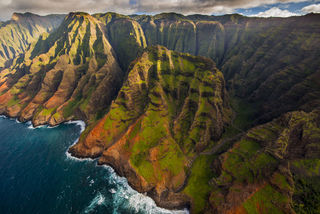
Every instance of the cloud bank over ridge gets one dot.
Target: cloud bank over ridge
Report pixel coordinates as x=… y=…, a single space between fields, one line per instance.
x=7 y=7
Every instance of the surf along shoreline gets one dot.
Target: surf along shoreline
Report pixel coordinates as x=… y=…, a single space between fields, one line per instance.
x=82 y=125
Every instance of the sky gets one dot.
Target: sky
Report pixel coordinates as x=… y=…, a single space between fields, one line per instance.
x=262 y=8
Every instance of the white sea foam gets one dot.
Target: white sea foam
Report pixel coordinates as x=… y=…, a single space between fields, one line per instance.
x=91 y=182
x=135 y=201
x=70 y=157
x=123 y=195
x=52 y=127
x=98 y=200
x=30 y=126
x=82 y=125
x=112 y=191
x=38 y=127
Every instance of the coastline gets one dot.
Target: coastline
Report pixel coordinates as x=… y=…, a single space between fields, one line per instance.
x=138 y=197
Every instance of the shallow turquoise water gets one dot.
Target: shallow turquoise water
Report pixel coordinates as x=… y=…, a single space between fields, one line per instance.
x=37 y=175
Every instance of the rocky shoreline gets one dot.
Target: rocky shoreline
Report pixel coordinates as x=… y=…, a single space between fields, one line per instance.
x=167 y=200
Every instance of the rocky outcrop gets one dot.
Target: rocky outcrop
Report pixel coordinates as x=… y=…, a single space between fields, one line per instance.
x=262 y=172
x=17 y=34
x=70 y=74
x=125 y=35
x=263 y=64
x=171 y=107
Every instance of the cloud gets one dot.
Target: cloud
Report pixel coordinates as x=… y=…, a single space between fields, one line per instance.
x=313 y=8
x=276 y=12
x=42 y=7
x=7 y=7
x=203 y=6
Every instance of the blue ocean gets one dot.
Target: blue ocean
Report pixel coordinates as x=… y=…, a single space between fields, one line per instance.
x=37 y=175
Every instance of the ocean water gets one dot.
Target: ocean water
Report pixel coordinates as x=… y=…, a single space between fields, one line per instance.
x=37 y=175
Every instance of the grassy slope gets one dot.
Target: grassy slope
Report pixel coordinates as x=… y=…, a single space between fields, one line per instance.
x=167 y=111
x=16 y=35
x=267 y=61
x=163 y=105
x=265 y=163
x=78 y=67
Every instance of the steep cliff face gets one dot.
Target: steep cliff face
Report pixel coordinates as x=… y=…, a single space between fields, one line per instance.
x=179 y=33
x=274 y=63
x=270 y=167
x=17 y=34
x=125 y=35
x=265 y=61
x=71 y=73
x=171 y=107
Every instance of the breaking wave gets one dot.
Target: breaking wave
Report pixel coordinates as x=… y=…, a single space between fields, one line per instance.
x=124 y=197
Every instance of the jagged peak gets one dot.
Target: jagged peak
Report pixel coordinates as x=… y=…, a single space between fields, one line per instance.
x=109 y=16
x=170 y=16
x=78 y=15
x=312 y=15
x=112 y=14
x=17 y=16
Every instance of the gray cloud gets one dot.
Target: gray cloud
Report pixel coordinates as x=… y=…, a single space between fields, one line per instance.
x=313 y=8
x=7 y=7
x=275 y=12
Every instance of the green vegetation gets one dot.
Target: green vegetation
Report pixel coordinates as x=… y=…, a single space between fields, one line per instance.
x=128 y=40
x=307 y=195
x=172 y=158
x=243 y=116
x=65 y=68
x=198 y=187
x=17 y=34
x=48 y=112
x=69 y=109
x=246 y=164
x=261 y=202
x=13 y=101
x=155 y=123
x=307 y=188
x=257 y=160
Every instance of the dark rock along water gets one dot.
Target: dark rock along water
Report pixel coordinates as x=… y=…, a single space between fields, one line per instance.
x=38 y=176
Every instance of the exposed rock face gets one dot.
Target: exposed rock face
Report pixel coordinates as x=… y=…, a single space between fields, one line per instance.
x=125 y=35
x=17 y=34
x=261 y=172
x=72 y=73
x=198 y=37
x=267 y=61
x=171 y=107
x=243 y=48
